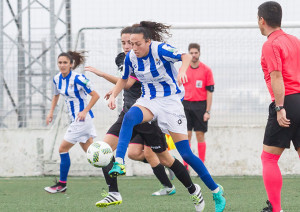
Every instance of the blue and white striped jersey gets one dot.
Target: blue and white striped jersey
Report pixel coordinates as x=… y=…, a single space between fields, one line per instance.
x=74 y=88
x=156 y=71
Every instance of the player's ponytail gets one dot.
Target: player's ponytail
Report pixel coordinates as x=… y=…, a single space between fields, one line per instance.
x=152 y=30
x=76 y=58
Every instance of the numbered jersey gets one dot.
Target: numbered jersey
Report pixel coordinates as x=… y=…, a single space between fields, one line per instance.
x=156 y=71
x=74 y=88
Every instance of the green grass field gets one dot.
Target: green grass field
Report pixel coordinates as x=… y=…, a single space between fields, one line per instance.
x=243 y=194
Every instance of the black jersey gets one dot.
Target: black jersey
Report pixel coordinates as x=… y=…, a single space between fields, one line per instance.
x=134 y=92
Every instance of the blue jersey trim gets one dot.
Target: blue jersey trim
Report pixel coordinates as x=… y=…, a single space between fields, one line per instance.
x=72 y=109
x=152 y=90
x=167 y=88
x=153 y=69
x=127 y=65
x=168 y=68
x=81 y=102
x=91 y=113
x=140 y=64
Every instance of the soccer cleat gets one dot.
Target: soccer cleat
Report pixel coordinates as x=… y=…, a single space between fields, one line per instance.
x=269 y=208
x=198 y=199
x=171 y=174
x=220 y=201
x=111 y=198
x=165 y=191
x=58 y=187
x=117 y=169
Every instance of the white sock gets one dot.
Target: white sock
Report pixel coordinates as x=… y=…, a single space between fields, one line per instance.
x=216 y=190
x=119 y=160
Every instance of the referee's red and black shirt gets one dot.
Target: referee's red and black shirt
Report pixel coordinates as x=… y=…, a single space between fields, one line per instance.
x=281 y=52
x=198 y=79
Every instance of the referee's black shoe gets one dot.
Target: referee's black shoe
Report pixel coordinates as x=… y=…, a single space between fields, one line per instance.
x=269 y=208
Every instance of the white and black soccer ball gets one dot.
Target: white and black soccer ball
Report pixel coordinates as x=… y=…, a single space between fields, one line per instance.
x=99 y=154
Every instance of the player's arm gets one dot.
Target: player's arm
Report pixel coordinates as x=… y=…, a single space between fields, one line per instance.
x=102 y=74
x=95 y=96
x=186 y=60
x=279 y=92
x=49 y=117
x=208 y=105
x=115 y=92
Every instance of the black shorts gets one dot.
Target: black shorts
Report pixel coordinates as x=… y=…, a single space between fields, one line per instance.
x=282 y=136
x=145 y=134
x=194 y=112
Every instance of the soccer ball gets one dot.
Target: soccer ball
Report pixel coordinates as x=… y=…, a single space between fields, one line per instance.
x=99 y=154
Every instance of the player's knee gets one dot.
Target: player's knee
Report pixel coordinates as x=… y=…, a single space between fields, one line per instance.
x=133 y=155
x=133 y=117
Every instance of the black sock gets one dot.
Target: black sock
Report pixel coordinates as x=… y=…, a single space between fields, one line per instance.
x=145 y=161
x=183 y=176
x=161 y=175
x=111 y=182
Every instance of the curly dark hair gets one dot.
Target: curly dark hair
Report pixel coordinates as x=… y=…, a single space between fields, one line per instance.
x=152 y=30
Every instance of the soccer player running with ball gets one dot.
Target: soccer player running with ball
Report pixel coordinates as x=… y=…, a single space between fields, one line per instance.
x=152 y=61
x=280 y=61
x=74 y=87
x=145 y=135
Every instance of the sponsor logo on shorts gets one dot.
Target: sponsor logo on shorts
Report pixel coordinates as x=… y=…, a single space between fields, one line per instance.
x=179 y=121
x=155 y=147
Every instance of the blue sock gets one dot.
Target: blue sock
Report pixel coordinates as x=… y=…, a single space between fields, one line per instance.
x=187 y=155
x=133 y=117
x=64 y=166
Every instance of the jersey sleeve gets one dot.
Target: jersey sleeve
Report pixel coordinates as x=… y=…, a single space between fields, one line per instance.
x=169 y=53
x=209 y=78
x=55 y=90
x=84 y=83
x=127 y=70
x=271 y=54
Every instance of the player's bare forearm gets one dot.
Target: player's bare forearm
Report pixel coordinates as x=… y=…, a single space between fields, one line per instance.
x=277 y=87
x=54 y=103
x=209 y=100
x=119 y=87
x=186 y=60
x=95 y=96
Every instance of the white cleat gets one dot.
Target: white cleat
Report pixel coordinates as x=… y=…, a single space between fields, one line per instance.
x=198 y=199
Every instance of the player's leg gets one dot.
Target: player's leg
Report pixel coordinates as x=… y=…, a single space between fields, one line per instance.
x=160 y=173
x=113 y=197
x=61 y=185
x=201 y=145
x=190 y=133
x=187 y=105
x=183 y=176
x=135 y=115
x=136 y=149
x=200 y=126
x=272 y=176
x=86 y=145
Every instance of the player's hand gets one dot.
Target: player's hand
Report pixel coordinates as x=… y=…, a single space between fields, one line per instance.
x=181 y=78
x=94 y=70
x=111 y=102
x=281 y=118
x=106 y=97
x=49 y=118
x=81 y=116
x=206 y=116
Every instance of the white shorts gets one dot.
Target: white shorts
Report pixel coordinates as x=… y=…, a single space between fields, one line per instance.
x=80 y=131
x=168 y=111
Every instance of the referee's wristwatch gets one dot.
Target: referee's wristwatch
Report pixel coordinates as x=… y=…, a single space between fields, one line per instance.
x=278 y=108
x=207 y=112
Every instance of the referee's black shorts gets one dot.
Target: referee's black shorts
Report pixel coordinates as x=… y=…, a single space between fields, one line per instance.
x=145 y=134
x=282 y=136
x=194 y=112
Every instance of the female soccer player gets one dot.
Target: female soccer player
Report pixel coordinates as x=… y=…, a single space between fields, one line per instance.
x=153 y=64
x=74 y=87
x=139 y=147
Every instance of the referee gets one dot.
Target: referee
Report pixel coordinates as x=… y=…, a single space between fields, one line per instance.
x=198 y=98
x=280 y=62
